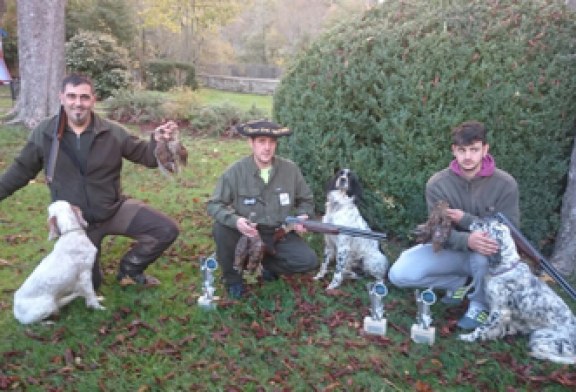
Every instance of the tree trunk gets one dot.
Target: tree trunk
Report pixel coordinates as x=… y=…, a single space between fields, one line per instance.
x=564 y=257
x=41 y=56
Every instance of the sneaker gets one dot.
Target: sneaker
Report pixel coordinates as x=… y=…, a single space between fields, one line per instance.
x=235 y=290
x=474 y=317
x=269 y=276
x=139 y=279
x=455 y=297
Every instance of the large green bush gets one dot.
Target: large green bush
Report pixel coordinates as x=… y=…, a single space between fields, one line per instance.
x=100 y=57
x=380 y=94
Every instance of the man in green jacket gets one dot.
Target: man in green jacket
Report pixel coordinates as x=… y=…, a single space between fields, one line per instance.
x=269 y=188
x=473 y=187
x=86 y=173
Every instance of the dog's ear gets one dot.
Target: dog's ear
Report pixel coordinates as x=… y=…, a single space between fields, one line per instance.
x=355 y=188
x=80 y=217
x=53 y=230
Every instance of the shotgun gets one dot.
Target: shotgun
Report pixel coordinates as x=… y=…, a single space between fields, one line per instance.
x=327 y=228
x=530 y=251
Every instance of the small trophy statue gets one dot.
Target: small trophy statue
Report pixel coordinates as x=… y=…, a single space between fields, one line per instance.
x=422 y=332
x=375 y=324
x=208 y=300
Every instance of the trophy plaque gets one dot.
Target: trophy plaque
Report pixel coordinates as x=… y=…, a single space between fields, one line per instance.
x=422 y=332
x=375 y=324
x=208 y=300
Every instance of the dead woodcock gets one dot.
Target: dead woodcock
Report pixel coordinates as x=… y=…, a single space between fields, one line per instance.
x=169 y=152
x=249 y=253
x=437 y=228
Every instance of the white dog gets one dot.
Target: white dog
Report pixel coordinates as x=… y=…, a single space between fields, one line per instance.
x=522 y=303
x=63 y=275
x=343 y=191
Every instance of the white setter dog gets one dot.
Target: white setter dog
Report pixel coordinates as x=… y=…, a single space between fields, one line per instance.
x=63 y=275
x=350 y=253
x=522 y=303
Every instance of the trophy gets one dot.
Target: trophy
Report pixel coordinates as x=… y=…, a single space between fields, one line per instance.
x=375 y=324
x=422 y=332
x=208 y=300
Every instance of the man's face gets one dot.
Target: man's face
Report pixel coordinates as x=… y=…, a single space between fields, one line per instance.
x=263 y=149
x=469 y=157
x=78 y=102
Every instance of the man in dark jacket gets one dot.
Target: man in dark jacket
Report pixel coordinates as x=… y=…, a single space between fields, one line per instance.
x=270 y=188
x=86 y=169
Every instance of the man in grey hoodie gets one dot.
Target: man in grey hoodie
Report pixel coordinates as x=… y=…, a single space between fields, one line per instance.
x=473 y=187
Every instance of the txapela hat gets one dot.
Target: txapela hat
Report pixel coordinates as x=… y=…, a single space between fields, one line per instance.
x=263 y=128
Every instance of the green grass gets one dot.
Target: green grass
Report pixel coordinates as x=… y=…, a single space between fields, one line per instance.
x=288 y=335
x=243 y=101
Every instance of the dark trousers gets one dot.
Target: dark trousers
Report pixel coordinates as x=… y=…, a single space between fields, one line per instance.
x=153 y=231
x=293 y=255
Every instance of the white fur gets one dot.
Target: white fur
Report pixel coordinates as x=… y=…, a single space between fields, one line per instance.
x=522 y=303
x=64 y=274
x=349 y=251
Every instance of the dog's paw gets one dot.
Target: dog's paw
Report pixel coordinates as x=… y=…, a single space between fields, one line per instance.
x=95 y=305
x=319 y=276
x=467 y=337
x=100 y=298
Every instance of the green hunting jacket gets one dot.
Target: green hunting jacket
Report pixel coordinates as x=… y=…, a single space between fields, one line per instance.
x=87 y=174
x=241 y=190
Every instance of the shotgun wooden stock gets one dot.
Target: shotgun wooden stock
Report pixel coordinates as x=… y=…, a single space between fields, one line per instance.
x=327 y=228
x=530 y=251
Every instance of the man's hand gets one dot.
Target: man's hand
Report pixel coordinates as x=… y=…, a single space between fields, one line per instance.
x=165 y=131
x=246 y=227
x=298 y=227
x=455 y=215
x=482 y=243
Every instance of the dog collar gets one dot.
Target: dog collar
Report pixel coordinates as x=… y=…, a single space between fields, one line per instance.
x=71 y=230
x=506 y=269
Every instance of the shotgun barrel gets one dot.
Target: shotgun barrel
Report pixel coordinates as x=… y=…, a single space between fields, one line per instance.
x=327 y=228
x=529 y=250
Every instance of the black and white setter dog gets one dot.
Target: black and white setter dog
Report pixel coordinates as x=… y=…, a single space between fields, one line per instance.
x=522 y=303
x=350 y=253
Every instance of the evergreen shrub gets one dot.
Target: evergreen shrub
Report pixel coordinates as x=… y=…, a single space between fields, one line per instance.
x=380 y=93
x=163 y=75
x=99 y=56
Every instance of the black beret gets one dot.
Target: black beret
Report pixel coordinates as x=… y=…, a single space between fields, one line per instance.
x=262 y=128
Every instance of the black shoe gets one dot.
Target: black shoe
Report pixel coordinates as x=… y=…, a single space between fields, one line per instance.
x=269 y=276
x=235 y=290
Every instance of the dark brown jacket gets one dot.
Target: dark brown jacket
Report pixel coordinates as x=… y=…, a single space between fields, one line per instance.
x=92 y=184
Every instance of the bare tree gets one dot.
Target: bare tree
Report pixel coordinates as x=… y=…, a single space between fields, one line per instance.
x=41 y=56
x=564 y=257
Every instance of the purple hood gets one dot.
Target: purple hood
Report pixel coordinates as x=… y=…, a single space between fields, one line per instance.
x=488 y=166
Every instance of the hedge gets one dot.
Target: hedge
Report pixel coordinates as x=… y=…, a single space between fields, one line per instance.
x=380 y=93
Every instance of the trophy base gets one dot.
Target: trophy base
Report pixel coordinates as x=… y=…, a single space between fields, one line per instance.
x=375 y=327
x=421 y=335
x=207 y=303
